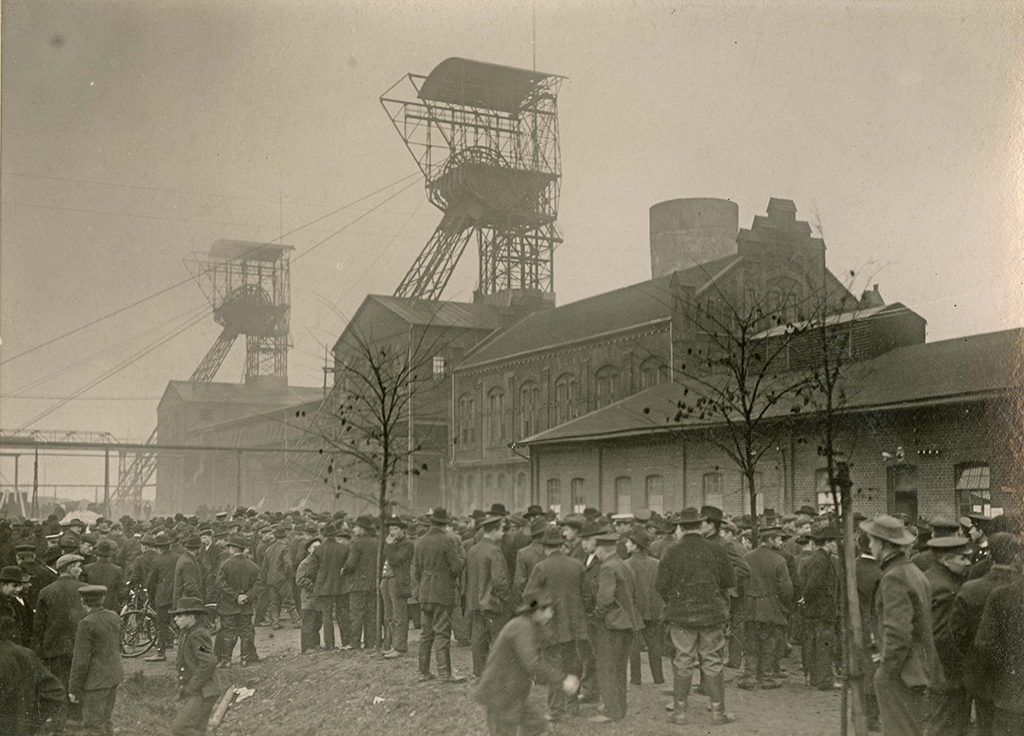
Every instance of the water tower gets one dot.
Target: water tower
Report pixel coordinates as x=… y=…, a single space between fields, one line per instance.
x=486 y=139
x=248 y=287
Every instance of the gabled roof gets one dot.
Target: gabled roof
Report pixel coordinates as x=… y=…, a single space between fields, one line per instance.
x=266 y=398
x=630 y=306
x=961 y=369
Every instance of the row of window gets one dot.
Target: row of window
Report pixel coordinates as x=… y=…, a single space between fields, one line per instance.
x=653 y=493
x=566 y=404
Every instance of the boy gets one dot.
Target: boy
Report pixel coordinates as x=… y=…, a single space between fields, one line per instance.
x=96 y=664
x=514 y=663
x=198 y=683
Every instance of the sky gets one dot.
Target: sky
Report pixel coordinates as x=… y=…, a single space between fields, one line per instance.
x=135 y=133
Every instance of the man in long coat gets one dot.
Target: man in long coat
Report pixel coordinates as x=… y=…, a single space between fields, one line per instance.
x=1001 y=656
x=437 y=566
x=649 y=605
x=360 y=571
x=324 y=572
x=819 y=596
x=238 y=589
x=396 y=585
x=949 y=701
x=487 y=590
x=188 y=575
x=529 y=556
x=765 y=594
x=560 y=577
x=58 y=611
x=160 y=586
x=104 y=572
x=280 y=578
x=29 y=692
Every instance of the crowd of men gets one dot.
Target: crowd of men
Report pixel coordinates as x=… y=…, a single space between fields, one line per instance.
x=570 y=602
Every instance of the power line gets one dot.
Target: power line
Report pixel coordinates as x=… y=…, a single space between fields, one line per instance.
x=188 y=280
x=83 y=398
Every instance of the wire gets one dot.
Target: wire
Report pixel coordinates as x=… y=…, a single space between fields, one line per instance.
x=188 y=280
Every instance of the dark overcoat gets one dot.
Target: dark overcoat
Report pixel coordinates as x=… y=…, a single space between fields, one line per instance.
x=437 y=565
x=58 y=612
x=97 y=661
x=563 y=578
x=768 y=588
x=487 y=584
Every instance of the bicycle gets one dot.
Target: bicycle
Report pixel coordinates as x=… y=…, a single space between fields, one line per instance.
x=138 y=624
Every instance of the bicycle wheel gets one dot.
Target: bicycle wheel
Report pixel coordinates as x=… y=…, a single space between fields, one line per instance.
x=138 y=633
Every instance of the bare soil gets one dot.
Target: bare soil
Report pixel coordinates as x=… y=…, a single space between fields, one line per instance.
x=334 y=692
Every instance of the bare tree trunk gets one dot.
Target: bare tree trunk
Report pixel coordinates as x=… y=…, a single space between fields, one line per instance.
x=381 y=536
x=855 y=649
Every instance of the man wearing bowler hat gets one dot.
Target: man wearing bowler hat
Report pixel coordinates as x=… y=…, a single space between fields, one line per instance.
x=188 y=575
x=104 y=572
x=529 y=556
x=96 y=669
x=160 y=586
x=906 y=650
x=396 y=587
x=437 y=566
x=14 y=614
x=819 y=606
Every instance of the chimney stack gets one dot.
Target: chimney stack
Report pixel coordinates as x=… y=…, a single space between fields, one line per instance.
x=689 y=232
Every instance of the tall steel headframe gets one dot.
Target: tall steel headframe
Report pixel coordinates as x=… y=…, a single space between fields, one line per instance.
x=486 y=139
x=248 y=285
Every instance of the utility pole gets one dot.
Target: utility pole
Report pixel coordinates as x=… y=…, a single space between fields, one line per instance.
x=238 y=474
x=106 y=483
x=35 y=484
x=17 y=490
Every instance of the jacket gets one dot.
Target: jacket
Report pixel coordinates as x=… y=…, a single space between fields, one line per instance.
x=196 y=664
x=58 y=612
x=944 y=588
x=820 y=587
x=694 y=579
x=437 y=565
x=325 y=567
x=487 y=584
x=868 y=574
x=649 y=604
x=188 y=578
x=141 y=567
x=96 y=664
x=903 y=615
x=209 y=562
x=998 y=645
x=237 y=576
x=276 y=566
x=160 y=583
x=591 y=573
x=563 y=578
x=616 y=597
x=16 y=615
x=398 y=557
x=104 y=573
x=964 y=620
x=526 y=558
x=360 y=568
x=28 y=692
x=305 y=583
x=767 y=588
x=514 y=664
x=737 y=558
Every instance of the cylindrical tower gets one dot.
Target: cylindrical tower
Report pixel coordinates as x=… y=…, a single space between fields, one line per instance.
x=688 y=232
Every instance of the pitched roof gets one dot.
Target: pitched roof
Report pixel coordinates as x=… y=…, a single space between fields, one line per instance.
x=629 y=306
x=261 y=396
x=859 y=315
x=443 y=313
x=963 y=368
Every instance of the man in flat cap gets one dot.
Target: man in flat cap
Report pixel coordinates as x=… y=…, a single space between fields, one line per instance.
x=903 y=616
x=396 y=586
x=58 y=611
x=949 y=702
x=649 y=605
x=437 y=566
x=238 y=589
x=488 y=590
x=767 y=593
x=96 y=669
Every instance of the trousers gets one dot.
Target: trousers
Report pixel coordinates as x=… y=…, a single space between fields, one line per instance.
x=362 y=616
x=762 y=639
x=334 y=608
x=309 y=638
x=612 y=651
x=193 y=715
x=518 y=719
x=396 y=616
x=97 y=707
x=949 y=712
x=565 y=657
x=654 y=636
x=703 y=648
x=163 y=627
x=901 y=708
x=280 y=599
x=589 y=688
x=235 y=626
x=435 y=626
x=485 y=627
x=819 y=650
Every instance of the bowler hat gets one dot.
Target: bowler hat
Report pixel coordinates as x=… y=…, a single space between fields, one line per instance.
x=807 y=511
x=439 y=516
x=888 y=528
x=639 y=536
x=538 y=526
x=689 y=515
x=105 y=548
x=498 y=509
x=533 y=511
x=13 y=574
x=592 y=529
x=161 y=540
x=192 y=543
x=576 y=521
x=366 y=522
x=591 y=513
x=395 y=521
x=712 y=513
x=552 y=537
x=188 y=605
x=238 y=542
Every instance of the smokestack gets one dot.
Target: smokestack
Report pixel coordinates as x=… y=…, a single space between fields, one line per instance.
x=688 y=232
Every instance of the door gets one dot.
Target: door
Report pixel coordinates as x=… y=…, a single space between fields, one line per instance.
x=901 y=490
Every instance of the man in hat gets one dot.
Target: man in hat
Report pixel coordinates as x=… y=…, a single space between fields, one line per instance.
x=96 y=665
x=437 y=565
x=30 y=693
x=617 y=620
x=572 y=525
x=58 y=611
x=396 y=586
x=711 y=529
x=312 y=620
x=487 y=590
x=13 y=611
x=104 y=572
x=561 y=577
x=324 y=576
x=515 y=663
x=649 y=605
x=819 y=607
x=694 y=579
x=209 y=556
x=529 y=556
x=767 y=593
x=1004 y=551
x=139 y=571
x=949 y=701
x=868 y=574
x=904 y=625
x=25 y=555
x=589 y=687
x=360 y=570
x=279 y=577
x=199 y=684
x=160 y=587
x=188 y=575
x=237 y=586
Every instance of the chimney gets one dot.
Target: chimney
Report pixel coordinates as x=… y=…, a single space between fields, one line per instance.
x=688 y=232
x=871 y=299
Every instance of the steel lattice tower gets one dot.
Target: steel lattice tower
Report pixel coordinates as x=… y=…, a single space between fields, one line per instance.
x=486 y=139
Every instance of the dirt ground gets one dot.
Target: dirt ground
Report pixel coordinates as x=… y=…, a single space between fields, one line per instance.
x=334 y=692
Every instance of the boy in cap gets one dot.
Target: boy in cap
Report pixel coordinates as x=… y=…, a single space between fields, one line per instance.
x=96 y=666
x=514 y=664
x=199 y=686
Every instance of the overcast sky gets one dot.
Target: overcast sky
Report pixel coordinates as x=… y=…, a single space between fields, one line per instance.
x=136 y=132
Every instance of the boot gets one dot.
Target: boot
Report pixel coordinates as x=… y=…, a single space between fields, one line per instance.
x=444 y=669
x=424 y=662
x=680 y=699
x=716 y=684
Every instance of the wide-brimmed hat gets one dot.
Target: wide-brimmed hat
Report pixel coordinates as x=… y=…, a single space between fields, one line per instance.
x=161 y=539
x=439 y=516
x=238 y=542
x=576 y=521
x=13 y=574
x=188 y=605
x=65 y=560
x=498 y=509
x=688 y=515
x=395 y=521
x=888 y=528
x=532 y=511
x=366 y=522
x=593 y=528
x=539 y=526
x=533 y=600
x=712 y=513
x=552 y=537
x=192 y=543
x=825 y=533
x=488 y=520
x=639 y=536
x=807 y=511
x=105 y=548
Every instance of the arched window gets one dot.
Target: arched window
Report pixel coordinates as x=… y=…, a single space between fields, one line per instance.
x=496 y=417
x=652 y=372
x=566 y=395
x=529 y=409
x=607 y=379
x=465 y=429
